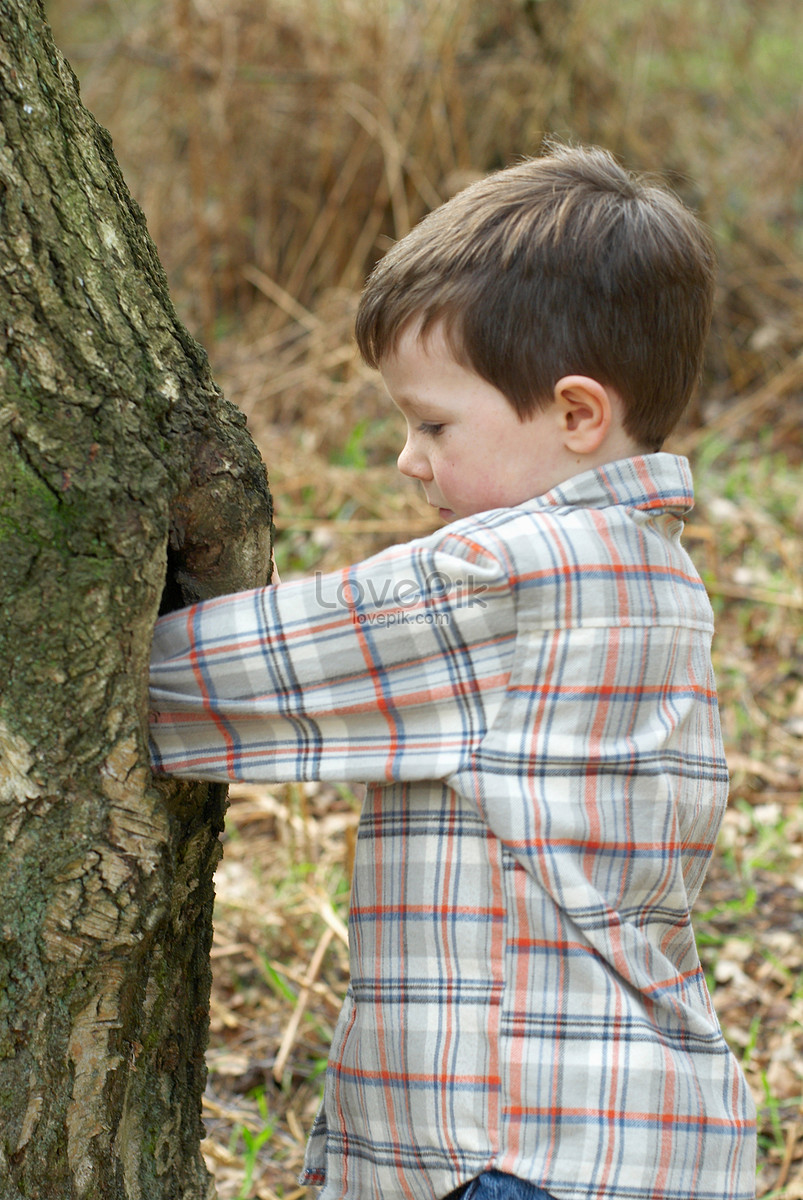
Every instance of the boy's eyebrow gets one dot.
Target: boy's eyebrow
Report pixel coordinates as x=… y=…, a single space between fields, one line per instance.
x=417 y=407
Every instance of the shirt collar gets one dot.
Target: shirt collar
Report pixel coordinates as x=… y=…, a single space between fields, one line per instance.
x=649 y=481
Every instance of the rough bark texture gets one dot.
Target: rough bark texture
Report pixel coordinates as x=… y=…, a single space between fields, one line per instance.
x=117 y=454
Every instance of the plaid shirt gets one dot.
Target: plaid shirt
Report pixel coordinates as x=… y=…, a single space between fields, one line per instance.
x=531 y=689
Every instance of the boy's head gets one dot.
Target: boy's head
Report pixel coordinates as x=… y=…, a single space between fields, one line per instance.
x=563 y=265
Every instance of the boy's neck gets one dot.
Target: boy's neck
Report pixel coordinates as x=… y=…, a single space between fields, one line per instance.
x=617 y=446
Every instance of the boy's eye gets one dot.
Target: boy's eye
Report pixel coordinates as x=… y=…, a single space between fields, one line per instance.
x=430 y=427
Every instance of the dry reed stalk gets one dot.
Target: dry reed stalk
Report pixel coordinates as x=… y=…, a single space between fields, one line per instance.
x=393 y=129
x=184 y=36
x=307 y=373
x=298 y=976
x=330 y=208
x=281 y=298
x=291 y=1030
x=793 y=1135
x=754 y=407
x=398 y=525
x=755 y=595
x=392 y=189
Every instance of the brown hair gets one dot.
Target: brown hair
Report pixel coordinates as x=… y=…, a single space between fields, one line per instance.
x=563 y=264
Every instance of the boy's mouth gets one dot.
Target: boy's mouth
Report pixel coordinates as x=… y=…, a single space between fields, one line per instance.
x=445 y=514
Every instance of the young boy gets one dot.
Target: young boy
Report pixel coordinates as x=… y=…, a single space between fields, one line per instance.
x=530 y=689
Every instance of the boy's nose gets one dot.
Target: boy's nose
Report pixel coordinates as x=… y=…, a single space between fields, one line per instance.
x=413 y=464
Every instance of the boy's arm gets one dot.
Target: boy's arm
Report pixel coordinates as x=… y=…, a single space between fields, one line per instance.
x=383 y=671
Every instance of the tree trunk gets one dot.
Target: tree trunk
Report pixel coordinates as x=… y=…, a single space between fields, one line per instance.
x=122 y=470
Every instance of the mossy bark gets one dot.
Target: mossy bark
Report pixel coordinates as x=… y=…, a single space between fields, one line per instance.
x=118 y=456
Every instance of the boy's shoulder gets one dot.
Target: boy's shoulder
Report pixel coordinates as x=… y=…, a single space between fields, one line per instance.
x=647 y=483
x=627 y=513
x=602 y=548
x=652 y=485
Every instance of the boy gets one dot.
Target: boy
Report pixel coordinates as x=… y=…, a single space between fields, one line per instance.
x=531 y=690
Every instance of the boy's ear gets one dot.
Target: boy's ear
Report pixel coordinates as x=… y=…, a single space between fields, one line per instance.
x=585 y=412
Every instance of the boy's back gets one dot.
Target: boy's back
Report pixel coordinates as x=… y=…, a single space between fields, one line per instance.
x=540 y=711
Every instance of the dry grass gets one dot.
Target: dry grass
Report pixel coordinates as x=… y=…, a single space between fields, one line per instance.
x=276 y=146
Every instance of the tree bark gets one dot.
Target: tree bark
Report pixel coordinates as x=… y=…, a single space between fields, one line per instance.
x=126 y=482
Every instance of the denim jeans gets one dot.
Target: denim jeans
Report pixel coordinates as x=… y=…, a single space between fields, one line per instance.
x=496 y=1185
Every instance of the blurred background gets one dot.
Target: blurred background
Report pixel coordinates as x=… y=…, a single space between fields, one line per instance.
x=277 y=147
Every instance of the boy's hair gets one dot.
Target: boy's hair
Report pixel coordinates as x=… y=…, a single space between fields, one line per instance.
x=563 y=264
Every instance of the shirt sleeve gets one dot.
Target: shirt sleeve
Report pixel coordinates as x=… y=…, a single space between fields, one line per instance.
x=387 y=670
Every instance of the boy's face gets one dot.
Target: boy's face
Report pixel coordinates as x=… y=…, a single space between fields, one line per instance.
x=465 y=442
